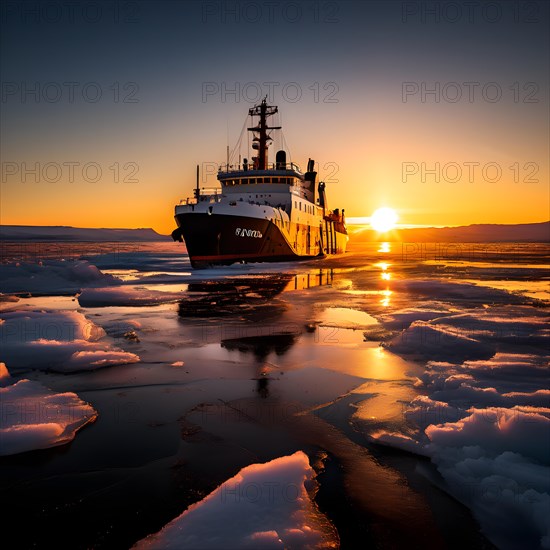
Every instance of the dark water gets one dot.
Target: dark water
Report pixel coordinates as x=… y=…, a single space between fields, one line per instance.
x=249 y=364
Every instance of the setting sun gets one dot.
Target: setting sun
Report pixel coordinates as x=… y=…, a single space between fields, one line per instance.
x=383 y=219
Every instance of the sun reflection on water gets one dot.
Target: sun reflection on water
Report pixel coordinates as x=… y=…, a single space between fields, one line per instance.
x=385 y=275
x=385 y=301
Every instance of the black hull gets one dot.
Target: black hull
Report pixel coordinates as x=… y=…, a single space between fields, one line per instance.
x=219 y=239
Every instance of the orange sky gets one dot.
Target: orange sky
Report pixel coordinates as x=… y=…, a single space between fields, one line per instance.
x=374 y=147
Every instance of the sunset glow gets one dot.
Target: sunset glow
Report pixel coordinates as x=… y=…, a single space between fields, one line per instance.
x=376 y=134
x=383 y=220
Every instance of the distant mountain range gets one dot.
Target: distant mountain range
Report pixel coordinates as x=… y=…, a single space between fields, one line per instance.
x=80 y=234
x=524 y=232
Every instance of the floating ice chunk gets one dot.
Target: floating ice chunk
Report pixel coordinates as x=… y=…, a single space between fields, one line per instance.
x=402 y=318
x=63 y=341
x=20 y=327
x=486 y=421
x=52 y=277
x=471 y=335
x=263 y=506
x=539 y=398
x=471 y=395
x=494 y=460
x=508 y=493
x=440 y=341
x=508 y=365
x=497 y=430
x=35 y=417
x=125 y=296
x=97 y=358
x=449 y=290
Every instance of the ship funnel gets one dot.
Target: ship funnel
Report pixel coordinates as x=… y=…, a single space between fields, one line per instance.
x=322 y=197
x=309 y=180
x=280 y=160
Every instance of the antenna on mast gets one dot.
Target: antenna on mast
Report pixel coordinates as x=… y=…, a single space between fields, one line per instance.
x=227 y=146
x=197 y=189
x=261 y=136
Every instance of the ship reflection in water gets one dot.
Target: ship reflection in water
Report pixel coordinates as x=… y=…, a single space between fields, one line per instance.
x=252 y=298
x=241 y=294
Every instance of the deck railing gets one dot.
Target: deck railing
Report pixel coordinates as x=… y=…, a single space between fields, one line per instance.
x=206 y=194
x=250 y=167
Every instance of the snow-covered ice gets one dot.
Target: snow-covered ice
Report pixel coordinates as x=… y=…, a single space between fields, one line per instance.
x=52 y=277
x=265 y=506
x=35 y=417
x=62 y=341
x=484 y=421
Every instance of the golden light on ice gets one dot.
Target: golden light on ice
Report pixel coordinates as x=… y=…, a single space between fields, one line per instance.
x=383 y=219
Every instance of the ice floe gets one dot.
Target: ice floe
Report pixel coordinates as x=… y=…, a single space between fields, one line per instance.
x=492 y=448
x=62 y=341
x=442 y=289
x=52 y=277
x=35 y=417
x=263 y=506
x=475 y=334
x=485 y=420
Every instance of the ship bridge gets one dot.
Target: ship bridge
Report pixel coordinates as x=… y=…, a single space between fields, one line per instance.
x=288 y=176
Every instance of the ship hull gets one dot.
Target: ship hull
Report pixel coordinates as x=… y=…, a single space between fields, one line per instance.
x=218 y=239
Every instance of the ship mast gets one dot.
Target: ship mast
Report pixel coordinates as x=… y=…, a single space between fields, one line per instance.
x=260 y=132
